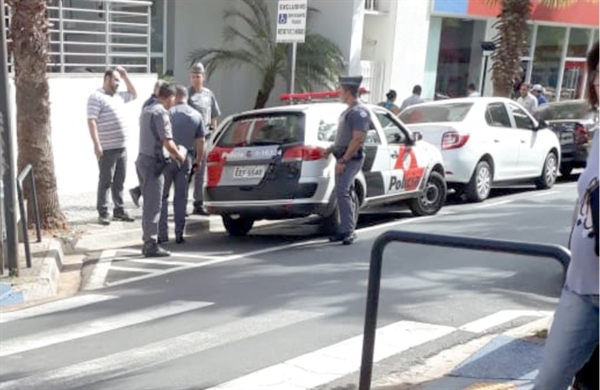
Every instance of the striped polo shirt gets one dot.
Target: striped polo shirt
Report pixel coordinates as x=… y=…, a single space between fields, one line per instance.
x=111 y=117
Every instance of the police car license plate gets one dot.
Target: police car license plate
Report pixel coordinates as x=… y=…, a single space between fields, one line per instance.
x=249 y=172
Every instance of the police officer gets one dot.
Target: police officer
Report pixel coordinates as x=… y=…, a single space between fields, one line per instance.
x=155 y=134
x=348 y=151
x=188 y=131
x=204 y=101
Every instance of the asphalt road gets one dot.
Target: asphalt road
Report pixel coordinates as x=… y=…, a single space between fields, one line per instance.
x=283 y=308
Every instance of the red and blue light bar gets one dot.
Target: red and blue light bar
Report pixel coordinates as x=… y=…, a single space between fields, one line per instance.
x=316 y=95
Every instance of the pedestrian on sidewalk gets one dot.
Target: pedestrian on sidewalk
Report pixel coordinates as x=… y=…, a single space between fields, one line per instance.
x=107 y=123
x=204 y=101
x=390 y=103
x=527 y=100
x=156 y=136
x=415 y=98
x=574 y=332
x=136 y=192
x=348 y=150
x=188 y=131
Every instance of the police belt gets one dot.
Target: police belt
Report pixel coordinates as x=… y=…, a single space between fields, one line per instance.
x=340 y=151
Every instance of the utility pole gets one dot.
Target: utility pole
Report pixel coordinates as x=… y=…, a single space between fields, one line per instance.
x=8 y=168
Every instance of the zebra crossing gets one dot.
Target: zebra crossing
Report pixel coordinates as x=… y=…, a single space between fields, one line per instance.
x=185 y=331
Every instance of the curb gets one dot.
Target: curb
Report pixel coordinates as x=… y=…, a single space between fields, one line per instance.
x=42 y=286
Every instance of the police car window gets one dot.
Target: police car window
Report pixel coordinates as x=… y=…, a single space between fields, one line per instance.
x=496 y=115
x=275 y=129
x=393 y=132
x=327 y=129
x=522 y=120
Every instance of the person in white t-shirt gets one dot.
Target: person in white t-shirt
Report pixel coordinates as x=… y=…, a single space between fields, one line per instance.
x=527 y=99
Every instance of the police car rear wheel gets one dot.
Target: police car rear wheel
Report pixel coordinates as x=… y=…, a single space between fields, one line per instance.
x=237 y=227
x=433 y=197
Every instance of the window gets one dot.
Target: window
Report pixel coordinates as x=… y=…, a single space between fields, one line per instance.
x=497 y=116
x=394 y=134
x=521 y=118
x=328 y=129
x=449 y=112
x=157 y=43
x=276 y=129
x=372 y=138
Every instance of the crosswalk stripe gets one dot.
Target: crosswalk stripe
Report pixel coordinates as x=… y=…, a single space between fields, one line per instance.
x=133 y=269
x=333 y=362
x=162 y=262
x=499 y=318
x=122 y=363
x=100 y=270
x=77 y=331
x=56 y=306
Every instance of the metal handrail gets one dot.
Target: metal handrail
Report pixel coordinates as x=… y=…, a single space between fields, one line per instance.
x=559 y=253
x=28 y=171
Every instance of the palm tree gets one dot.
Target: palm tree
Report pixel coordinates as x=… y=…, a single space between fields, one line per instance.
x=319 y=60
x=511 y=40
x=29 y=30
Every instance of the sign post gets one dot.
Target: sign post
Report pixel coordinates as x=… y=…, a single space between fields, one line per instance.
x=291 y=28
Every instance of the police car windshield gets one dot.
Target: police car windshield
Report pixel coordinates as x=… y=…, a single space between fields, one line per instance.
x=449 y=112
x=279 y=128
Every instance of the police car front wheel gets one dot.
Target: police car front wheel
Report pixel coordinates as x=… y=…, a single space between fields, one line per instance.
x=433 y=197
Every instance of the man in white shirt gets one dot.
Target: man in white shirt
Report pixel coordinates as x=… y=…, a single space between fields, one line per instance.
x=414 y=99
x=472 y=91
x=527 y=100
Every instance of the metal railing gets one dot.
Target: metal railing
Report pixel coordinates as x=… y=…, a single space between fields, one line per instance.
x=28 y=171
x=91 y=36
x=556 y=252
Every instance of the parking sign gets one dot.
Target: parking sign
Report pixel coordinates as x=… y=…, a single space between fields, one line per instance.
x=291 y=21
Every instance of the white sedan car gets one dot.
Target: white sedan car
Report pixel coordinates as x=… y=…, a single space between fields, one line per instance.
x=487 y=142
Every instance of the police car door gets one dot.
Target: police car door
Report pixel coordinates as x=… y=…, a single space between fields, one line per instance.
x=376 y=168
x=406 y=173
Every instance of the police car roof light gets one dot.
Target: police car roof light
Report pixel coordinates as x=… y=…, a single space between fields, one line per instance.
x=316 y=96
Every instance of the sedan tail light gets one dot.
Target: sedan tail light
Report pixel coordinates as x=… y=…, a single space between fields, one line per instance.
x=303 y=153
x=582 y=134
x=454 y=140
x=216 y=155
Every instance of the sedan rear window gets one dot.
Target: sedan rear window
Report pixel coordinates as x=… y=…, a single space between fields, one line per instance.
x=266 y=129
x=453 y=112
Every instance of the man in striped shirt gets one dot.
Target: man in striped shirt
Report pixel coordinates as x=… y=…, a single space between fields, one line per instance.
x=107 y=124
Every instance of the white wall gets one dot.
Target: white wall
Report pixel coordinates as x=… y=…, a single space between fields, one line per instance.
x=410 y=45
x=75 y=163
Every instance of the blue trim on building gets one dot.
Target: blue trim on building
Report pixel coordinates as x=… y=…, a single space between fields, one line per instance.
x=459 y=7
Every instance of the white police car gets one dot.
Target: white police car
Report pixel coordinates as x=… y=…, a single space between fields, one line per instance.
x=271 y=164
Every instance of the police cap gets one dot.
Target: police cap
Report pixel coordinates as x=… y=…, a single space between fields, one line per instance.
x=351 y=81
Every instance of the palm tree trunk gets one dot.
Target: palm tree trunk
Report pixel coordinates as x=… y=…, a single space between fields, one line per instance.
x=30 y=35
x=265 y=91
x=511 y=42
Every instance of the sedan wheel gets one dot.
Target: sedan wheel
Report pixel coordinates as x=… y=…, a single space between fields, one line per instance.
x=549 y=172
x=480 y=185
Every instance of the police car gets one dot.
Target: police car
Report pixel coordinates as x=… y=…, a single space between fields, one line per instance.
x=271 y=164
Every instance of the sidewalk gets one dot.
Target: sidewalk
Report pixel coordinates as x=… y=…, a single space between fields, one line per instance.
x=507 y=361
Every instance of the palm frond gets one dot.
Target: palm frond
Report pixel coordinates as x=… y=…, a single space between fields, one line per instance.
x=319 y=63
x=256 y=46
x=214 y=59
x=260 y=11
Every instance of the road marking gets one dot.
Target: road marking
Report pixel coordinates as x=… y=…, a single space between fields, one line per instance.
x=100 y=270
x=499 y=318
x=492 y=204
x=161 y=262
x=546 y=193
x=123 y=363
x=80 y=330
x=54 y=307
x=330 y=363
x=133 y=269
x=212 y=262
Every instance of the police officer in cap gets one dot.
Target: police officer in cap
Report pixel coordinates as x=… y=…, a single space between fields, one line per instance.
x=348 y=151
x=156 y=137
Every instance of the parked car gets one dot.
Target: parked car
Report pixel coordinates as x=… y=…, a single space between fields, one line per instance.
x=271 y=164
x=574 y=124
x=487 y=142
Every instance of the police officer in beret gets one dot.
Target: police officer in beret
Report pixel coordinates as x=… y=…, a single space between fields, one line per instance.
x=348 y=151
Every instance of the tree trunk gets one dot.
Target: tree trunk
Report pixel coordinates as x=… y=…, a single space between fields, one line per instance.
x=261 y=100
x=265 y=91
x=30 y=35
x=511 y=44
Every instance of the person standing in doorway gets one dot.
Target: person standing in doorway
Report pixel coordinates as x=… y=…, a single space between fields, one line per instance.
x=527 y=100
x=414 y=99
x=348 y=151
x=188 y=131
x=156 y=135
x=204 y=101
x=107 y=123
